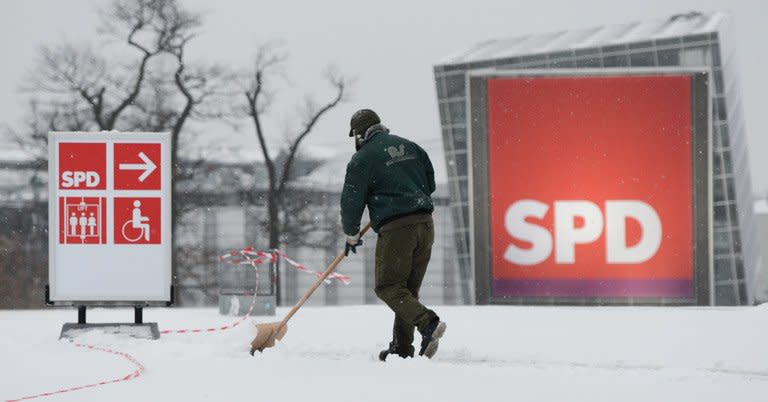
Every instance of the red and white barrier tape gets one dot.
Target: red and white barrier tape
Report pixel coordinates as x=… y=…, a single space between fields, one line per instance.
x=225 y=327
x=215 y=329
x=136 y=373
x=301 y=267
x=249 y=256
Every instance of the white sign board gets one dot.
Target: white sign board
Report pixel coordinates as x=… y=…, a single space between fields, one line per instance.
x=109 y=217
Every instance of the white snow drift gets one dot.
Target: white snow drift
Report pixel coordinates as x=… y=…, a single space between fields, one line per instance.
x=329 y=354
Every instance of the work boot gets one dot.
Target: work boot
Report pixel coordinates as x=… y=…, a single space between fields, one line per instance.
x=403 y=351
x=430 y=338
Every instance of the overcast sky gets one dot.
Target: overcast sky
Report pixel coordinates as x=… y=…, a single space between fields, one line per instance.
x=389 y=46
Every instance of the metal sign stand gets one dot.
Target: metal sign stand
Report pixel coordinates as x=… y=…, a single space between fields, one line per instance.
x=137 y=329
x=102 y=184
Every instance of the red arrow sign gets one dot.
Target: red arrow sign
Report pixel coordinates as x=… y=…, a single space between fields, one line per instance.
x=148 y=167
x=136 y=166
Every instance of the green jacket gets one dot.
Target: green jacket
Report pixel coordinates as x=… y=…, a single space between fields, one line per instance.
x=389 y=174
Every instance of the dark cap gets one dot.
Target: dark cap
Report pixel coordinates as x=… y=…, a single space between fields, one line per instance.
x=362 y=120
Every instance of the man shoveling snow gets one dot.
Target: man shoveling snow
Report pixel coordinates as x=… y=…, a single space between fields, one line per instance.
x=394 y=178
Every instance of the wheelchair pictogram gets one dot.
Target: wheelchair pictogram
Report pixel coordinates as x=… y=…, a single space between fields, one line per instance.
x=137 y=220
x=138 y=223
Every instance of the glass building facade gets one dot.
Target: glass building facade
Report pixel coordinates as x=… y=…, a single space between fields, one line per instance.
x=692 y=39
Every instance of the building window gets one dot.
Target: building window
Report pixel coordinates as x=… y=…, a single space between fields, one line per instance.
x=730 y=189
x=458 y=221
x=717 y=167
x=457 y=113
x=742 y=293
x=732 y=213
x=718 y=193
x=444 y=114
x=450 y=161
x=696 y=38
x=454 y=85
x=466 y=232
x=723 y=270
x=739 y=268
x=508 y=62
x=464 y=263
x=458 y=241
x=727 y=164
x=588 y=51
x=588 y=62
x=447 y=140
x=459 y=138
x=720 y=110
x=696 y=56
x=716 y=137
x=453 y=186
x=642 y=59
x=722 y=242
x=725 y=140
x=465 y=223
x=737 y=248
x=461 y=164
x=616 y=61
x=615 y=48
x=536 y=60
x=720 y=216
x=463 y=190
x=715 y=55
x=725 y=295
x=641 y=45
x=457 y=163
x=440 y=86
x=562 y=64
x=718 y=74
x=669 y=57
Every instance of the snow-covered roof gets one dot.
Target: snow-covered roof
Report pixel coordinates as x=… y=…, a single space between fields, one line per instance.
x=16 y=154
x=692 y=23
x=329 y=175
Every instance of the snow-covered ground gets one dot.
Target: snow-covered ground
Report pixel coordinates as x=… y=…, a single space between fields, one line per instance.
x=329 y=354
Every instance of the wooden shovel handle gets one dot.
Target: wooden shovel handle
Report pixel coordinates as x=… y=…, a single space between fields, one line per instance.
x=317 y=283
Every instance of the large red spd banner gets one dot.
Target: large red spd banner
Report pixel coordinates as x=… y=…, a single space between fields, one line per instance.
x=590 y=186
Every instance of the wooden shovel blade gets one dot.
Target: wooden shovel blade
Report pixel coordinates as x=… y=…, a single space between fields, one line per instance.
x=266 y=334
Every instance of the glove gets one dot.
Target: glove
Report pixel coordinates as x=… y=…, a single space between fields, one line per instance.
x=352 y=243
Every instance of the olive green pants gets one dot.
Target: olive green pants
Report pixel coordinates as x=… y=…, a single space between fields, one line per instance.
x=402 y=256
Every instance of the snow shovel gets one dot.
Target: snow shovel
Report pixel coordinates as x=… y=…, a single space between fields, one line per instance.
x=267 y=333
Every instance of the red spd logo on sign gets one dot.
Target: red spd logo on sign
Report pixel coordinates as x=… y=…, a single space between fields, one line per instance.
x=591 y=188
x=137 y=220
x=82 y=166
x=82 y=220
x=567 y=234
x=136 y=166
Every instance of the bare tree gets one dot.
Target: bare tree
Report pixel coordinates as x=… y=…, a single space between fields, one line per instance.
x=78 y=88
x=266 y=66
x=141 y=81
x=149 y=29
x=311 y=219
